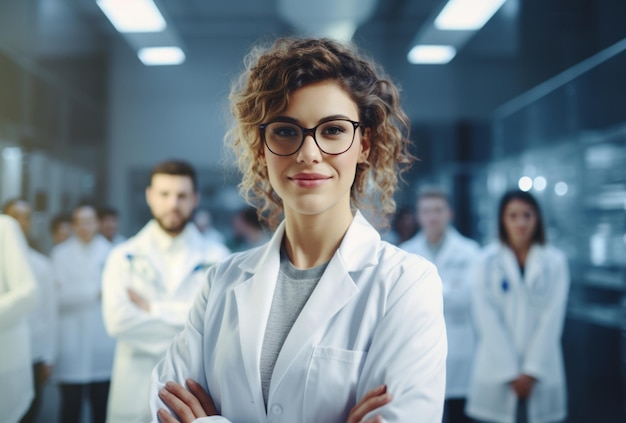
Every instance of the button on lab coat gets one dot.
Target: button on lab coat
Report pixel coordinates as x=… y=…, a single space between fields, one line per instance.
x=85 y=349
x=455 y=260
x=375 y=317
x=141 y=264
x=519 y=323
x=18 y=296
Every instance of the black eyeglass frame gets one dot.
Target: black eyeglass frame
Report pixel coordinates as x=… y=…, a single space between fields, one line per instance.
x=305 y=132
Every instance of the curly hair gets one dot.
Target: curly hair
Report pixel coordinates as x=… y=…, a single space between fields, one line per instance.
x=263 y=90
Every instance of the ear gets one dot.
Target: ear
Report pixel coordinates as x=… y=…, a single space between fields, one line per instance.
x=148 y=194
x=365 y=145
x=261 y=157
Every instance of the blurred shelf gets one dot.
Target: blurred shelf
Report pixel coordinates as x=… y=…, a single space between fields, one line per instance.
x=602 y=315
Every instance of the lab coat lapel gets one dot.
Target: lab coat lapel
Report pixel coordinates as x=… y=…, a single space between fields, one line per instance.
x=510 y=267
x=447 y=249
x=254 y=300
x=334 y=290
x=533 y=267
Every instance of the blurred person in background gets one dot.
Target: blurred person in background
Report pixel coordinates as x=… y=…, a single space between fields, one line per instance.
x=18 y=297
x=403 y=227
x=60 y=228
x=85 y=356
x=204 y=222
x=325 y=322
x=520 y=297
x=43 y=319
x=108 y=225
x=150 y=282
x=248 y=230
x=455 y=256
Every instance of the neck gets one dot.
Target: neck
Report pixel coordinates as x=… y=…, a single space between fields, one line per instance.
x=312 y=240
x=85 y=240
x=520 y=250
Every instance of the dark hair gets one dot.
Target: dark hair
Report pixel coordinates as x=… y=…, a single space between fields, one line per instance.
x=106 y=211
x=11 y=203
x=176 y=167
x=58 y=220
x=539 y=236
x=264 y=89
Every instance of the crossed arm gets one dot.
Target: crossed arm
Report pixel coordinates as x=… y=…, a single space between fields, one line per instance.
x=194 y=402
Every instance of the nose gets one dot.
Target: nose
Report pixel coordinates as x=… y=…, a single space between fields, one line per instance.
x=309 y=152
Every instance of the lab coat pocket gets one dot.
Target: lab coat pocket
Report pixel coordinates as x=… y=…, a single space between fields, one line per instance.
x=330 y=390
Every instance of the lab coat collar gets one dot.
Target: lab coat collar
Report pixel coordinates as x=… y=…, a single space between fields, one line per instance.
x=152 y=241
x=533 y=266
x=334 y=290
x=166 y=242
x=357 y=249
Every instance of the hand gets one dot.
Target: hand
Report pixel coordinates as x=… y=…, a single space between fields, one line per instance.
x=523 y=385
x=187 y=404
x=371 y=401
x=138 y=300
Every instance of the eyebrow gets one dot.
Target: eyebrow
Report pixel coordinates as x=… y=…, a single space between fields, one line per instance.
x=282 y=118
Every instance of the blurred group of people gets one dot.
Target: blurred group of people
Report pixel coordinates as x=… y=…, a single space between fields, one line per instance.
x=99 y=310
x=504 y=307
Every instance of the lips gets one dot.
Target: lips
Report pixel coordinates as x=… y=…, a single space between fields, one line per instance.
x=309 y=180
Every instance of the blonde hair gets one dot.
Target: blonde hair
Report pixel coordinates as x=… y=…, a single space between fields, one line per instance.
x=272 y=74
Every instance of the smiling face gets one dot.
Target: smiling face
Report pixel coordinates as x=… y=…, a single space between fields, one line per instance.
x=520 y=222
x=311 y=182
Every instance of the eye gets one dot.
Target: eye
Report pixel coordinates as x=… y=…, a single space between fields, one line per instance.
x=284 y=131
x=334 y=129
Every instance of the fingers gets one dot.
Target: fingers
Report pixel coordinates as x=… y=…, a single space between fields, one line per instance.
x=166 y=417
x=182 y=402
x=371 y=401
x=205 y=399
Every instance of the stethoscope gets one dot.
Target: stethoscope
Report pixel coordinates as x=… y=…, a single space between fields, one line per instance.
x=132 y=258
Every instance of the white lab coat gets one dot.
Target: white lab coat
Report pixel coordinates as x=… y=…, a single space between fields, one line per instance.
x=42 y=321
x=519 y=323
x=85 y=349
x=455 y=261
x=141 y=264
x=375 y=317
x=18 y=296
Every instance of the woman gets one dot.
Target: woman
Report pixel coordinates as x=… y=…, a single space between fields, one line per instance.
x=519 y=308
x=324 y=323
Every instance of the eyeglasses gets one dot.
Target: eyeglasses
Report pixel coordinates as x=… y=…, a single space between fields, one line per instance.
x=285 y=138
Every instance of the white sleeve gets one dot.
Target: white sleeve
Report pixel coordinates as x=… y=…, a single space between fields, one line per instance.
x=147 y=332
x=494 y=339
x=547 y=336
x=19 y=294
x=185 y=357
x=409 y=349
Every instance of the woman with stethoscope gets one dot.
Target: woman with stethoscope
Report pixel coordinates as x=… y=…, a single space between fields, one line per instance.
x=325 y=322
x=520 y=296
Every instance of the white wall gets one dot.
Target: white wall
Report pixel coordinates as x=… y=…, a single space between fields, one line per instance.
x=156 y=113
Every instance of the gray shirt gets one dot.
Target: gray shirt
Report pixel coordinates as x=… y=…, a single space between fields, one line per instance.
x=293 y=288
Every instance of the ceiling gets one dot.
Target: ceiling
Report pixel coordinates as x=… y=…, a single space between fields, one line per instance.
x=73 y=38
